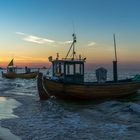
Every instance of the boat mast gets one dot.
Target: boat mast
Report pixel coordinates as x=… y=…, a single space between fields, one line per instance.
x=74 y=41
x=115 y=47
x=115 y=71
x=72 y=45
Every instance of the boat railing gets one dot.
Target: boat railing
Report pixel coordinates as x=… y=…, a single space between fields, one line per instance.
x=71 y=59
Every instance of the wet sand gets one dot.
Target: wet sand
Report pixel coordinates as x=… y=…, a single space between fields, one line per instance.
x=6 y=110
x=5 y=134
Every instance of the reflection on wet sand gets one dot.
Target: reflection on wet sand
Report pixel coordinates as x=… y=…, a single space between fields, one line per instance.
x=6 y=110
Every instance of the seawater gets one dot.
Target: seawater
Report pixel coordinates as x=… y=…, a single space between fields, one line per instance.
x=28 y=118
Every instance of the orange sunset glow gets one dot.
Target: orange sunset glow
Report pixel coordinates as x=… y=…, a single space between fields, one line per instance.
x=30 y=40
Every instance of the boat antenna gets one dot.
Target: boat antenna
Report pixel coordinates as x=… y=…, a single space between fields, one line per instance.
x=115 y=47
x=73 y=26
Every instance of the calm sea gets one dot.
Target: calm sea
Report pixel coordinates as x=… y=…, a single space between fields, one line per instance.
x=24 y=116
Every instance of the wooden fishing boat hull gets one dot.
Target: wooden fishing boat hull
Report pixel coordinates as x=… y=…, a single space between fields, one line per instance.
x=89 y=91
x=12 y=75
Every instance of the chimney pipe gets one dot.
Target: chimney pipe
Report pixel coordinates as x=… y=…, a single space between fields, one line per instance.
x=115 y=71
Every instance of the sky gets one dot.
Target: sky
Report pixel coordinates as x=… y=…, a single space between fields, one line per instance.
x=33 y=30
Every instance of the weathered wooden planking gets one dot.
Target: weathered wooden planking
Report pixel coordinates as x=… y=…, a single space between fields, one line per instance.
x=12 y=75
x=91 y=91
x=84 y=91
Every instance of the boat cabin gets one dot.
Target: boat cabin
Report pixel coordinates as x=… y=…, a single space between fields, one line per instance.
x=69 y=71
x=11 y=69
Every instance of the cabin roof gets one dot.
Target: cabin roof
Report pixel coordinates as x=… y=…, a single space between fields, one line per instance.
x=78 y=61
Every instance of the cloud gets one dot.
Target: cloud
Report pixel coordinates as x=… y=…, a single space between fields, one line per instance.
x=92 y=44
x=68 y=42
x=35 y=39
x=38 y=40
x=20 y=33
x=65 y=42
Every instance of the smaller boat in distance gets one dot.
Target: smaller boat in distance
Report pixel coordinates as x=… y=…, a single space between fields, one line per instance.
x=67 y=80
x=11 y=72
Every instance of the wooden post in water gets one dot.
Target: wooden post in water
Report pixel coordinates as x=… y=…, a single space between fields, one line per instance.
x=42 y=93
x=115 y=72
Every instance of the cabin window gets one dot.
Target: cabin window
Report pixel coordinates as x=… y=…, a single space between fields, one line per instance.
x=82 y=69
x=62 y=68
x=77 y=69
x=58 y=69
x=69 y=69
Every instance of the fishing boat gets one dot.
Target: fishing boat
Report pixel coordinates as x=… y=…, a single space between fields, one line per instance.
x=11 y=72
x=67 y=80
